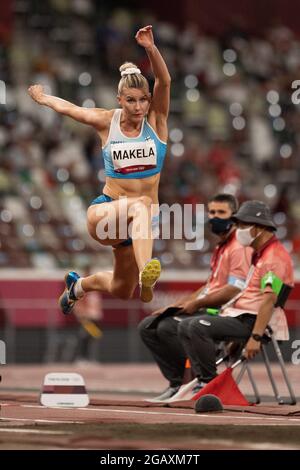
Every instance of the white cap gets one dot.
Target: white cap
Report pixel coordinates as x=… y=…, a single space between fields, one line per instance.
x=130 y=71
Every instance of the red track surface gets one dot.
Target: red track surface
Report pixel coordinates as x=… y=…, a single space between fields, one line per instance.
x=20 y=406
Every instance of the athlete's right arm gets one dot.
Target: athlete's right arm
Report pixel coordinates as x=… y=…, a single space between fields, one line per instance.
x=95 y=117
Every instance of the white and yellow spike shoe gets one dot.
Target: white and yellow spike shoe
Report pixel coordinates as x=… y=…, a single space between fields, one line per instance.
x=148 y=277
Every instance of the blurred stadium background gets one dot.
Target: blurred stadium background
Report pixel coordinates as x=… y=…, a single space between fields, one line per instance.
x=233 y=128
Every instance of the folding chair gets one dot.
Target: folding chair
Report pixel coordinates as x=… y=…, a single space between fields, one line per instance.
x=268 y=339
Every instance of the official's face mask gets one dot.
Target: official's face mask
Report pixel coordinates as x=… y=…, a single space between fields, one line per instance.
x=244 y=236
x=220 y=225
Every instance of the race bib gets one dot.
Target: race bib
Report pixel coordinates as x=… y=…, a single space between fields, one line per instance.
x=129 y=157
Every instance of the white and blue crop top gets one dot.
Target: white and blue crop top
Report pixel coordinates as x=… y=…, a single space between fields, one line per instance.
x=132 y=157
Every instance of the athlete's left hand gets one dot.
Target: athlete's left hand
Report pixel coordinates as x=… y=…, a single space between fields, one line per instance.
x=144 y=37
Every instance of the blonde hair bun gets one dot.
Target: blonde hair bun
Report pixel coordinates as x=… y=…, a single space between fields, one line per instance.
x=126 y=67
x=132 y=77
x=130 y=71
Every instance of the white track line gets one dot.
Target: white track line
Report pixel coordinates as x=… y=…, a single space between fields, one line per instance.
x=41 y=420
x=195 y=415
x=33 y=431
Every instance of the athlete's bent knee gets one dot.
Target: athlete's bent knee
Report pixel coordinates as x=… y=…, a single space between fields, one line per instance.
x=145 y=200
x=122 y=292
x=142 y=203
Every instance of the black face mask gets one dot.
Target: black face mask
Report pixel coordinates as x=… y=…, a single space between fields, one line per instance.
x=220 y=225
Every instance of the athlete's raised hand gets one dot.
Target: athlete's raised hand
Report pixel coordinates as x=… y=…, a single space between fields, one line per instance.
x=144 y=37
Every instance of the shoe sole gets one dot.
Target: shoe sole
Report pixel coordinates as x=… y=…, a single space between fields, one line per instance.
x=71 y=304
x=62 y=295
x=149 y=276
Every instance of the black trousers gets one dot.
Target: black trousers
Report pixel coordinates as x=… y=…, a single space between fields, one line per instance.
x=165 y=346
x=198 y=337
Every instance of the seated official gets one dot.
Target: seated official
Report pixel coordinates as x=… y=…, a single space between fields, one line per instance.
x=229 y=267
x=269 y=281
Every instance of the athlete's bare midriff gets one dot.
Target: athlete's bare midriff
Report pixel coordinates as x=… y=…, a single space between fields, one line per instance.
x=133 y=187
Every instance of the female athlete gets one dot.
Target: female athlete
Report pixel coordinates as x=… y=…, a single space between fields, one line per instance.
x=134 y=146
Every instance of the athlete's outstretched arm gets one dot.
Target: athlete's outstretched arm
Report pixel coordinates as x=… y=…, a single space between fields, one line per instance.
x=95 y=117
x=161 y=92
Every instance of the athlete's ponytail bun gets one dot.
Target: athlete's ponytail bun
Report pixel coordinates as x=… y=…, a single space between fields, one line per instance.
x=131 y=77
